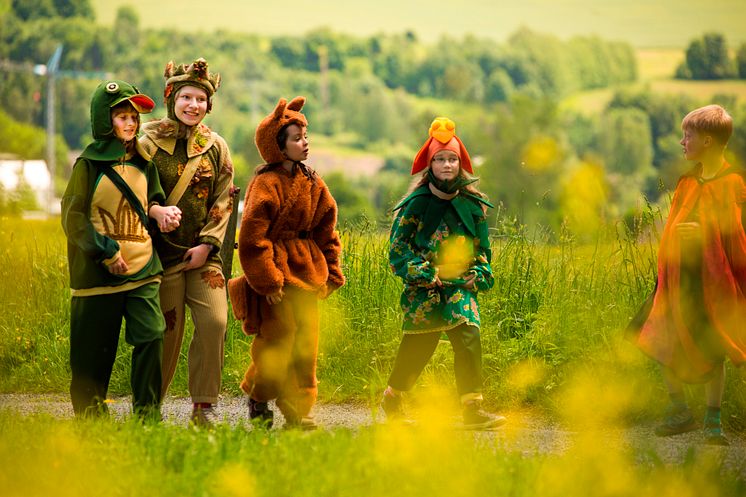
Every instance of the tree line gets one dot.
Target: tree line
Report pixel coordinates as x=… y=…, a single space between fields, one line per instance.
x=540 y=162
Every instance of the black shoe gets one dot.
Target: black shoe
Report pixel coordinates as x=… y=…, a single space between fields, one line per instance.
x=477 y=419
x=676 y=422
x=260 y=412
x=392 y=405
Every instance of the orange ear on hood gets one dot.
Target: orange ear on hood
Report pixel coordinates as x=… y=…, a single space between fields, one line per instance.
x=279 y=109
x=465 y=159
x=420 y=160
x=297 y=103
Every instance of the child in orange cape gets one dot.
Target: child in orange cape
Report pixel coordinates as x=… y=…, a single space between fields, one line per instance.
x=289 y=250
x=695 y=318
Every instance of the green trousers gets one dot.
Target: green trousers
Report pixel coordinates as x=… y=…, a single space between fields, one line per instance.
x=95 y=323
x=416 y=349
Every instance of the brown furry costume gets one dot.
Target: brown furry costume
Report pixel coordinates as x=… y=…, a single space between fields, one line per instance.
x=287 y=242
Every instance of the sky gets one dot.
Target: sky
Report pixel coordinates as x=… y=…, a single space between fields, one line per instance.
x=643 y=23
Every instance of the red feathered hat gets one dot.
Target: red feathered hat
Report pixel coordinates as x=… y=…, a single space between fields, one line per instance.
x=442 y=137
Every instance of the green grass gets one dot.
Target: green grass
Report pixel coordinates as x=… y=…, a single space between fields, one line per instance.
x=41 y=456
x=552 y=340
x=553 y=321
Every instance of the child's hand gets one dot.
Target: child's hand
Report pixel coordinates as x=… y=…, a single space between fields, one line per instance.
x=118 y=266
x=275 y=298
x=167 y=217
x=196 y=257
x=470 y=280
x=689 y=231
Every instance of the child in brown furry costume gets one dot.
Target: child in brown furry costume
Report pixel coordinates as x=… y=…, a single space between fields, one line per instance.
x=289 y=251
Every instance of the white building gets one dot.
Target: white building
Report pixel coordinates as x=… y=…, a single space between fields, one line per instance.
x=36 y=175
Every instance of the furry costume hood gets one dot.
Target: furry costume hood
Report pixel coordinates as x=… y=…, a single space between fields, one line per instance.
x=266 y=133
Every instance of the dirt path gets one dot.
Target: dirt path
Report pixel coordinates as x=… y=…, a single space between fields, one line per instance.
x=526 y=433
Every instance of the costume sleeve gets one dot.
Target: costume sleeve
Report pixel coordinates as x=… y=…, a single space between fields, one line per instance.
x=483 y=257
x=75 y=221
x=255 y=250
x=156 y=194
x=405 y=260
x=327 y=238
x=220 y=201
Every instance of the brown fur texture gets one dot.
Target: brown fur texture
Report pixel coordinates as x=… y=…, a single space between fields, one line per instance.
x=288 y=234
x=266 y=133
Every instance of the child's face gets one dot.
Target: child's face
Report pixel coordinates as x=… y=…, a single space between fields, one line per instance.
x=296 y=145
x=125 y=123
x=190 y=105
x=695 y=144
x=445 y=165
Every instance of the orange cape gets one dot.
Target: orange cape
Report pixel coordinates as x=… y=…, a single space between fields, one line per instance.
x=661 y=329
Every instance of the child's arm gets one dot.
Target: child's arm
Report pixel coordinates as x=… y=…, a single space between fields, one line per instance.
x=481 y=268
x=406 y=262
x=220 y=202
x=326 y=237
x=167 y=217
x=255 y=249
x=75 y=221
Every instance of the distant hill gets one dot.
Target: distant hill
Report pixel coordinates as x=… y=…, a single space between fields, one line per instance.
x=662 y=23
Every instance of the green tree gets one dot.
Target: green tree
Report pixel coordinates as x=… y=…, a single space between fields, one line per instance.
x=707 y=58
x=126 y=32
x=74 y=8
x=33 y=9
x=741 y=61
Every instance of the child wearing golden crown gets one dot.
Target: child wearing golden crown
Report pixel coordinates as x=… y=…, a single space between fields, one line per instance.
x=440 y=248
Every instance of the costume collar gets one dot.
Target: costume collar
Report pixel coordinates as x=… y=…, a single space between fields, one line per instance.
x=111 y=149
x=165 y=133
x=441 y=195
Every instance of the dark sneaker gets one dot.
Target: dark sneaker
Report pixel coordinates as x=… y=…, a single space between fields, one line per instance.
x=204 y=417
x=714 y=434
x=259 y=412
x=392 y=406
x=676 y=422
x=477 y=419
x=305 y=423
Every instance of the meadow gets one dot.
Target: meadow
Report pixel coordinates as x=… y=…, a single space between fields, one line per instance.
x=557 y=313
x=553 y=344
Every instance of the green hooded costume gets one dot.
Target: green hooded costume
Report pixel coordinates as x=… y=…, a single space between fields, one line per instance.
x=104 y=217
x=100 y=222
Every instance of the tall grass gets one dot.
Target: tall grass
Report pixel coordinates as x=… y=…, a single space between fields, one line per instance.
x=555 y=315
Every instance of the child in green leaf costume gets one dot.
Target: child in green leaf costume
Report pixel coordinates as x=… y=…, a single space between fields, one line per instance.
x=440 y=248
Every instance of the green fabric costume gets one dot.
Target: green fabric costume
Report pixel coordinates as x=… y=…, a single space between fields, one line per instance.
x=431 y=236
x=101 y=224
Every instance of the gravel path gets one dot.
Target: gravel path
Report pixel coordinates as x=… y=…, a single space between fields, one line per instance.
x=526 y=432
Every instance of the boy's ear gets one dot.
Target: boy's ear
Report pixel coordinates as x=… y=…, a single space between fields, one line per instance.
x=707 y=141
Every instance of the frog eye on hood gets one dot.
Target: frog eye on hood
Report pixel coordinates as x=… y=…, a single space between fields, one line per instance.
x=112 y=87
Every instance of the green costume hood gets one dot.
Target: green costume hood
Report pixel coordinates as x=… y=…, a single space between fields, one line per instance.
x=106 y=146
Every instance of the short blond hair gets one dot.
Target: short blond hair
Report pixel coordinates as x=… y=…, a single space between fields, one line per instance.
x=711 y=120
